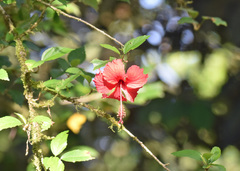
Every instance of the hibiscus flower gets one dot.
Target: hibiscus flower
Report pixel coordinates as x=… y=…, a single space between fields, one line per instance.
x=121 y=86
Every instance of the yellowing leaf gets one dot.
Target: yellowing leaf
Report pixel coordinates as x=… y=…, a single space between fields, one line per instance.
x=75 y=122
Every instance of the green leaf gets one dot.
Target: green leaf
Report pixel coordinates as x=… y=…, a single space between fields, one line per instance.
x=192 y=13
x=4 y=60
x=92 y=3
x=54 y=53
x=64 y=65
x=8 y=1
x=149 y=91
x=59 y=143
x=55 y=73
x=220 y=167
x=57 y=84
x=77 y=56
x=88 y=76
x=64 y=2
x=9 y=122
x=93 y=152
x=53 y=164
x=4 y=75
x=31 y=45
x=44 y=121
x=216 y=153
x=73 y=70
x=77 y=156
x=134 y=43
x=33 y=64
x=80 y=72
x=188 y=153
x=21 y=117
x=188 y=20
x=17 y=96
x=216 y=20
x=107 y=46
x=206 y=157
x=53 y=83
x=97 y=63
x=9 y=37
x=67 y=81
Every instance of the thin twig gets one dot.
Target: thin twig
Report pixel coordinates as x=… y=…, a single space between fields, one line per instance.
x=145 y=148
x=100 y=113
x=8 y=19
x=81 y=20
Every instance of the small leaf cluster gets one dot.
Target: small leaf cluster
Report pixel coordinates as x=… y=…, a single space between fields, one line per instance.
x=58 y=145
x=207 y=159
x=130 y=45
x=194 y=14
x=69 y=66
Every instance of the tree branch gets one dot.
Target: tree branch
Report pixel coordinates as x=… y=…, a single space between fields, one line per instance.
x=101 y=113
x=81 y=20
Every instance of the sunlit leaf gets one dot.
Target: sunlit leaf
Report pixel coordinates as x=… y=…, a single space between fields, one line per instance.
x=206 y=157
x=107 y=46
x=33 y=64
x=8 y=1
x=54 y=53
x=134 y=43
x=192 y=13
x=188 y=20
x=188 y=153
x=53 y=164
x=4 y=75
x=92 y=151
x=67 y=81
x=149 y=92
x=9 y=122
x=97 y=63
x=58 y=84
x=216 y=20
x=216 y=153
x=21 y=117
x=77 y=56
x=59 y=143
x=44 y=121
x=77 y=156
x=75 y=122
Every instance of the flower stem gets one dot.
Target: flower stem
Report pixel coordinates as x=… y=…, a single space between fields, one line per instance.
x=120 y=114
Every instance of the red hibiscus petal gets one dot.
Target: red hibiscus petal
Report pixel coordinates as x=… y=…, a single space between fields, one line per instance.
x=135 y=77
x=130 y=93
x=116 y=94
x=101 y=85
x=114 y=71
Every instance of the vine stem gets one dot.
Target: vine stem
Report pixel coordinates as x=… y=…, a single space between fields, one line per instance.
x=81 y=20
x=34 y=131
x=101 y=113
